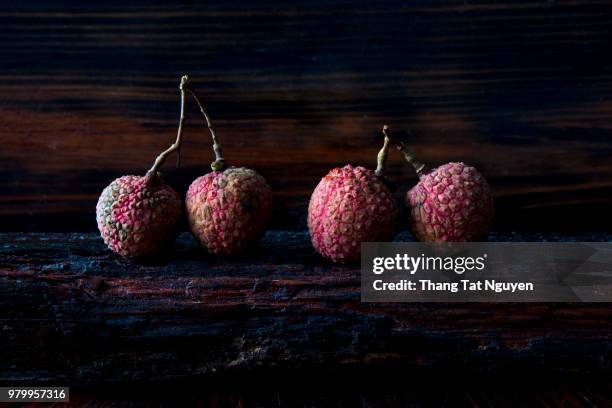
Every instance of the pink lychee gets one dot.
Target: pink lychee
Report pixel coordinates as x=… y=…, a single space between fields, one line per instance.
x=228 y=210
x=138 y=216
x=451 y=203
x=350 y=205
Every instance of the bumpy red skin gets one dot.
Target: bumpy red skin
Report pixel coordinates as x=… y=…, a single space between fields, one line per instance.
x=228 y=210
x=452 y=203
x=350 y=205
x=138 y=216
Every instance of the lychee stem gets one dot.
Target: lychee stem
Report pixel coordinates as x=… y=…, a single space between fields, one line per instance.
x=381 y=159
x=176 y=146
x=219 y=163
x=419 y=166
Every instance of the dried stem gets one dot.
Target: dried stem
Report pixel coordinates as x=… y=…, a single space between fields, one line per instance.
x=176 y=146
x=381 y=159
x=219 y=163
x=419 y=166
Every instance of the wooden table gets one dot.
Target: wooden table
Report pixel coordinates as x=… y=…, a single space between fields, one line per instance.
x=73 y=313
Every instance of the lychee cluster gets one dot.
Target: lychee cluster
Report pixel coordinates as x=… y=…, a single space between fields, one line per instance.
x=137 y=216
x=350 y=205
x=228 y=210
x=452 y=203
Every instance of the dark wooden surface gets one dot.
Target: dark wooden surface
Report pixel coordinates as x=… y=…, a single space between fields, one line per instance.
x=72 y=312
x=520 y=89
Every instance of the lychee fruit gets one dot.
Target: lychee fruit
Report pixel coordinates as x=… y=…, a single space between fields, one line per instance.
x=138 y=215
x=229 y=208
x=451 y=203
x=351 y=205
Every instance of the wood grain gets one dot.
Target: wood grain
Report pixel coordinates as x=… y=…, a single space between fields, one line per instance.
x=72 y=312
x=522 y=90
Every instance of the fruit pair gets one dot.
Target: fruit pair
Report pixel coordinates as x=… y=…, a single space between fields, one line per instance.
x=351 y=205
x=227 y=209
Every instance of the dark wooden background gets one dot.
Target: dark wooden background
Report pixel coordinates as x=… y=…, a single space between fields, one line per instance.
x=522 y=89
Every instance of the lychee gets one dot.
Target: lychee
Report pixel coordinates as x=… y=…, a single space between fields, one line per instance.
x=351 y=205
x=451 y=203
x=229 y=208
x=138 y=215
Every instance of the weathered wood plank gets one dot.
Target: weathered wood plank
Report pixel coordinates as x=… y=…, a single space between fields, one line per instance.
x=71 y=311
x=520 y=89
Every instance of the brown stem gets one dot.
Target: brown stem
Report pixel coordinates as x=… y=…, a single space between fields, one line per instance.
x=219 y=163
x=419 y=166
x=176 y=146
x=381 y=159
